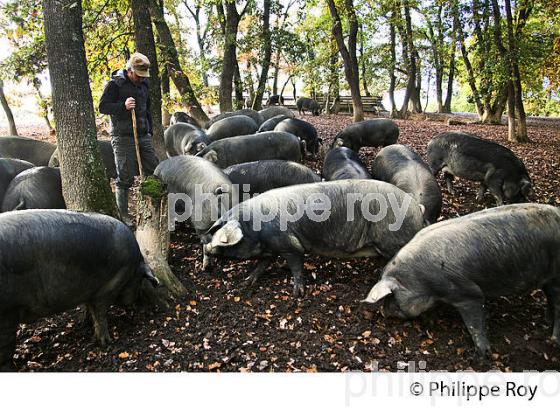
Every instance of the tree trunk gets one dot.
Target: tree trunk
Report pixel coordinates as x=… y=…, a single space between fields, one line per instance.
x=153 y=235
x=348 y=54
x=466 y=60
x=7 y=110
x=229 y=59
x=239 y=100
x=171 y=58
x=285 y=84
x=165 y=95
x=276 y=73
x=145 y=44
x=520 y=135
x=410 y=58
x=393 y=77
x=451 y=75
x=294 y=91
x=85 y=185
x=363 y=65
x=267 y=54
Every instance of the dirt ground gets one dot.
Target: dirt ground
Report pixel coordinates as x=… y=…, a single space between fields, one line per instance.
x=220 y=326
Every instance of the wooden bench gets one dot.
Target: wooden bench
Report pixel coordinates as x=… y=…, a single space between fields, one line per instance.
x=371 y=104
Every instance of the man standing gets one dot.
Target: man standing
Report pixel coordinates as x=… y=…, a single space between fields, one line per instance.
x=126 y=91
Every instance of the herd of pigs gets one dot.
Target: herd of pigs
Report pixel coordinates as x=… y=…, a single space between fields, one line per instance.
x=52 y=260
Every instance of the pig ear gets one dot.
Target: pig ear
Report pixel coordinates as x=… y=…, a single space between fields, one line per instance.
x=381 y=289
x=229 y=235
x=211 y=156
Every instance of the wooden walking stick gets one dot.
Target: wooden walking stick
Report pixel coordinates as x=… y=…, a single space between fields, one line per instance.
x=136 y=145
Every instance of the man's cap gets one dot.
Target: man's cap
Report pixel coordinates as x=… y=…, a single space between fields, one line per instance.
x=139 y=64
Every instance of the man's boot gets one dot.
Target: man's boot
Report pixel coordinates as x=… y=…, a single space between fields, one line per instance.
x=121 y=195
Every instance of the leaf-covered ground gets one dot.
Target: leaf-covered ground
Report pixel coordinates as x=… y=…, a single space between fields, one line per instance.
x=220 y=326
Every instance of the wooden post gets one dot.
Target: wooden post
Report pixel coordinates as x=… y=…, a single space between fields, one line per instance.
x=136 y=145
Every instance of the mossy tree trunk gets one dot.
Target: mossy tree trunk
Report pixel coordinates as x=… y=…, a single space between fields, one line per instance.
x=84 y=183
x=153 y=235
x=7 y=110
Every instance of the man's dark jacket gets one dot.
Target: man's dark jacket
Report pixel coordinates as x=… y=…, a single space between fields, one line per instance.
x=117 y=90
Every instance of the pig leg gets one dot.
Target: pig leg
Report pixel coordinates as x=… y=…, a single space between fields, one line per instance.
x=494 y=183
x=474 y=316
x=207 y=260
x=98 y=312
x=7 y=345
x=552 y=293
x=449 y=181
x=295 y=262
x=481 y=191
x=258 y=271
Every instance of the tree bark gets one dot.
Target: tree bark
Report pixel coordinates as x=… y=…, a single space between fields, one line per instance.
x=409 y=55
x=451 y=75
x=7 y=110
x=153 y=235
x=348 y=54
x=363 y=65
x=232 y=18
x=85 y=185
x=165 y=95
x=393 y=77
x=145 y=44
x=238 y=81
x=267 y=54
x=520 y=135
x=171 y=58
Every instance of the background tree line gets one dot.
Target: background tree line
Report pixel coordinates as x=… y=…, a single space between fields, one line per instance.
x=484 y=56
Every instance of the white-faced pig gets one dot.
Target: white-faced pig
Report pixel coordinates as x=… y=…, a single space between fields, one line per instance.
x=34 y=188
x=345 y=219
x=184 y=139
x=232 y=127
x=55 y=260
x=248 y=148
x=404 y=168
x=368 y=133
x=28 y=149
x=343 y=163
x=463 y=261
x=497 y=168
x=262 y=176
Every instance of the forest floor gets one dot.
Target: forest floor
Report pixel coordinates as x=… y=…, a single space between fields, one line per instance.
x=220 y=326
